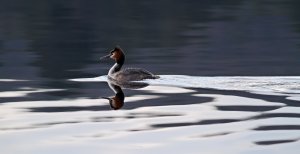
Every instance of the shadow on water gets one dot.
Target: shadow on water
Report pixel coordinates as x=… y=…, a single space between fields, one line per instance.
x=166 y=99
x=117 y=101
x=271 y=142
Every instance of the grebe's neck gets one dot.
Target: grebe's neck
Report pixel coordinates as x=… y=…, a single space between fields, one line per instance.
x=117 y=66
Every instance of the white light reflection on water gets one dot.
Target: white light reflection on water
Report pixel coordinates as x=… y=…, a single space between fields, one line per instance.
x=277 y=84
x=267 y=84
x=228 y=123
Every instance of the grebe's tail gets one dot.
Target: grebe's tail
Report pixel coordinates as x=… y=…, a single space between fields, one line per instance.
x=152 y=76
x=155 y=77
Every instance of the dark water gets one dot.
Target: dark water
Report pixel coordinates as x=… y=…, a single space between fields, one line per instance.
x=50 y=41
x=44 y=44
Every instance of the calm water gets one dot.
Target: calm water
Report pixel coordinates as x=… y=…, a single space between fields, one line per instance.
x=230 y=76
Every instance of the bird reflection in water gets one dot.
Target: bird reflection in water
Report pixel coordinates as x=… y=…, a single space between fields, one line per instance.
x=117 y=101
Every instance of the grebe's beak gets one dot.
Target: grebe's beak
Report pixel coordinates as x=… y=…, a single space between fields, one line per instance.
x=107 y=56
x=106 y=98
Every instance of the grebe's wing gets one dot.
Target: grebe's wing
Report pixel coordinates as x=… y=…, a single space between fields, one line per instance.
x=135 y=74
x=137 y=71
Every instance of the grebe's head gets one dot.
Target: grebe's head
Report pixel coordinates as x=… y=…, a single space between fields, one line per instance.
x=116 y=54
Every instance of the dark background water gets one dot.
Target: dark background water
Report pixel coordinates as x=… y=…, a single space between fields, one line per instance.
x=48 y=42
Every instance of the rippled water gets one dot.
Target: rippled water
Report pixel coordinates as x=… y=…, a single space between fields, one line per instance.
x=230 y=77
x=175 y=113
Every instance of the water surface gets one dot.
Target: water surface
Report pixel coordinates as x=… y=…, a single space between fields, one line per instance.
x=229 y=76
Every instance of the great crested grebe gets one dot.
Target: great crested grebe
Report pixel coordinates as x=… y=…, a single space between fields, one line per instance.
x=127 y=74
